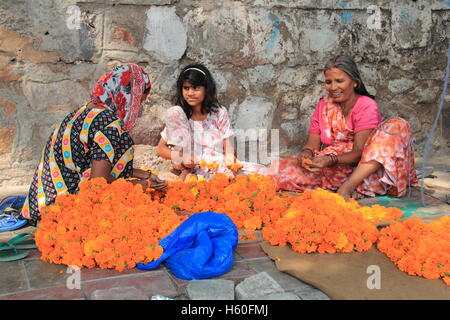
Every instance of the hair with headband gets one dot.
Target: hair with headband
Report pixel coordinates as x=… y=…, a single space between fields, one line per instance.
x=197 y=75
x=196 y=69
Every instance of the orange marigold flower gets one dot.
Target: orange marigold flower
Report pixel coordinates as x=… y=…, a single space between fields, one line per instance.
x=419 y=248
x=105 y=225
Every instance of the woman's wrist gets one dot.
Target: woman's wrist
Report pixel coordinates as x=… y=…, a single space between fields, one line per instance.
x=311 y=151
x=333 y=158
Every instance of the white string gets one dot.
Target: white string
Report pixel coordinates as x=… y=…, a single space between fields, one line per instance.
x=430 y=136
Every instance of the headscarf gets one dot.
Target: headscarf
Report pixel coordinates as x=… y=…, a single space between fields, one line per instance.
x=121 y=91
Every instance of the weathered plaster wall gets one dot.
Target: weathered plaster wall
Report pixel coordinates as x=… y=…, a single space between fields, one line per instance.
x=266 y=55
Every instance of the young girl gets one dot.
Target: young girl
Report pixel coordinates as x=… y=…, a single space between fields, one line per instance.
x=197 y=136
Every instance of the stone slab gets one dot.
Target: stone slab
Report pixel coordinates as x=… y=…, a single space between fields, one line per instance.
x=311 y=293
x=210 y=289
x=54 y=293
x=278 y=296
x=441 y=182
x=155 y=284
x=119 y=293
x=13 y=277
x=258 y=285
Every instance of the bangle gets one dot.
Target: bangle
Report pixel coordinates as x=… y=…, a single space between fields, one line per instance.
x=334 y=159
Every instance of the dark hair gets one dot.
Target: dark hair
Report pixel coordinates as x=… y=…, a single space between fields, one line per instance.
x=197 y=75
x=346 y=64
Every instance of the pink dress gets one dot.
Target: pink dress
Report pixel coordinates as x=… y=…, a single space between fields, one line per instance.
x=390 y=144
x=204 y=139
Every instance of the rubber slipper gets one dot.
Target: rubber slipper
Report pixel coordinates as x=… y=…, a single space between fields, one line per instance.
x=12 y=254
x=12 y=202
x=27 y=244
x=9 y=222
x=21 y=241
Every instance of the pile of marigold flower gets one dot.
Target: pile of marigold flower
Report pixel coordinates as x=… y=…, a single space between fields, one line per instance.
x=250 y=201
x=321 y=221
x=118 y=225
x=111 y=226
x=419 y=248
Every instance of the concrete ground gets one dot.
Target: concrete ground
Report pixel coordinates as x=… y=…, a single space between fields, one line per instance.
x=33 y=279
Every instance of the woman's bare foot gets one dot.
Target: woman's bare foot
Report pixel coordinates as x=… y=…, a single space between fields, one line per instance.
x=348 y=193
x=345 y=191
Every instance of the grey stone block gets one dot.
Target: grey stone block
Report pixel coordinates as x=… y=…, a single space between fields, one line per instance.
x=210 y=289
x=311 y=293
x=119 y=293
x=278 y=296
x=259 y=285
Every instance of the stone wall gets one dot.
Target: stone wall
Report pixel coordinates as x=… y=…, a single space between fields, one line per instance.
x=266 y=56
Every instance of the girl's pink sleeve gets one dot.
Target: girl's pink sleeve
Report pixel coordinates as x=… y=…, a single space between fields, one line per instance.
x=224 y=123
x=176 y=131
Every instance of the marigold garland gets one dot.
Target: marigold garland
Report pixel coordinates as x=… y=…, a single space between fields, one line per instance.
x=321 y=221
x=236 y=166
x=117 y=225
x=419 y=248
x=250 y=201
x=107 y=225
x=209 y=165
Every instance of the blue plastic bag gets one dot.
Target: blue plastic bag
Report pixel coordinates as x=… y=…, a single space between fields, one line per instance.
x=200 y=248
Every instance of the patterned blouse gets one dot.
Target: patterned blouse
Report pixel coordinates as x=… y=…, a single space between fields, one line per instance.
x=83 y=136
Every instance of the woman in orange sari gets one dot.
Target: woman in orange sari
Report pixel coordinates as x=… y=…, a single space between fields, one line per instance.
x=349 y=149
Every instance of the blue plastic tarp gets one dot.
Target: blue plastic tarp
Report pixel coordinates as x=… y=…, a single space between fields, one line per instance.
x=200 y=248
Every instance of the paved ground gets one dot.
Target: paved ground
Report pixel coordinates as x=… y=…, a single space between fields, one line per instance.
x=31 y=278
x=34 y=279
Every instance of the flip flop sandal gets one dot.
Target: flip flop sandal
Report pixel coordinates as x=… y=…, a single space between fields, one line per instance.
x=12 y=202
x=9 y=222
x=21 y=241
x=12 y=254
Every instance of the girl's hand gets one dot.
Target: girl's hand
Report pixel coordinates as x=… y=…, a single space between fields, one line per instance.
x=230 y=159
x=232 y=163
x=189 y=162
x=183 y=161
